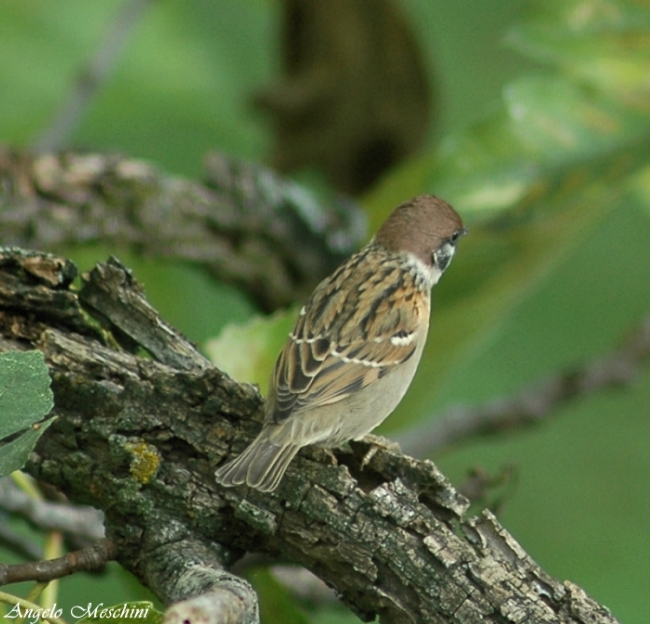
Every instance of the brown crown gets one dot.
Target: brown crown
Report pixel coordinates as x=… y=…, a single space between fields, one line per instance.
x=420 y=226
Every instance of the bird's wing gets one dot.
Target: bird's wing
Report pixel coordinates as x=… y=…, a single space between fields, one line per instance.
x=318 y=367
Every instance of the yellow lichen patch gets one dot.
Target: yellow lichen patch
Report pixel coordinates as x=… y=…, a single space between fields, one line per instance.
x=145 y=460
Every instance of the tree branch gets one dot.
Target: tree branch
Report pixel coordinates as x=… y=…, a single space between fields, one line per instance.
x=535 y=402
x=85 y=560
x=140 y=438
x=186 y=571
x=247 y=226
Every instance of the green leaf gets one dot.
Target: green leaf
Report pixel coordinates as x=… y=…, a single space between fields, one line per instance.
x=550 y=130
x=25 y=395
x=14 y=454
x=142 y=612
x=248 y=352
x=604 y=44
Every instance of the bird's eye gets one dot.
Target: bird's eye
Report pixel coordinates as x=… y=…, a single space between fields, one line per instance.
x=456 y=235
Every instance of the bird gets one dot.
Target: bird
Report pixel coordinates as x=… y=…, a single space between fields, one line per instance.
x=355 y=345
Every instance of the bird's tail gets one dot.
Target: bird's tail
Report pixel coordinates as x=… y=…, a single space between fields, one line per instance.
x=260 y=466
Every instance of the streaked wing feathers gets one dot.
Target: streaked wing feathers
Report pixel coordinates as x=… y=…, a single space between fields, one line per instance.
x=313 y=371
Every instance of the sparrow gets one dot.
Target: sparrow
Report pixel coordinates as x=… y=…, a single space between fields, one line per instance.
x=356 y=344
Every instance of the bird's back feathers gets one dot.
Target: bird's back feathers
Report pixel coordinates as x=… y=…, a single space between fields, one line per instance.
x=326 y=358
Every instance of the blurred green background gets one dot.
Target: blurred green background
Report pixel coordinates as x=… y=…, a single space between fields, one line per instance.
x=560 y=130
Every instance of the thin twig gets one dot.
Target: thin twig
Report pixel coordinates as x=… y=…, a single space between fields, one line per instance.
x=78 y=520
x=17 y=543
x=535 y=402
x=86 y=559
x=92 y=76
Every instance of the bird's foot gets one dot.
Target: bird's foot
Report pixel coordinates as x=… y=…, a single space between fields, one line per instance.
x=376 y=443
x=327 y=454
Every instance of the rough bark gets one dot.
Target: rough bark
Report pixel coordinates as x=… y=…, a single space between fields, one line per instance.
x=143 y=421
